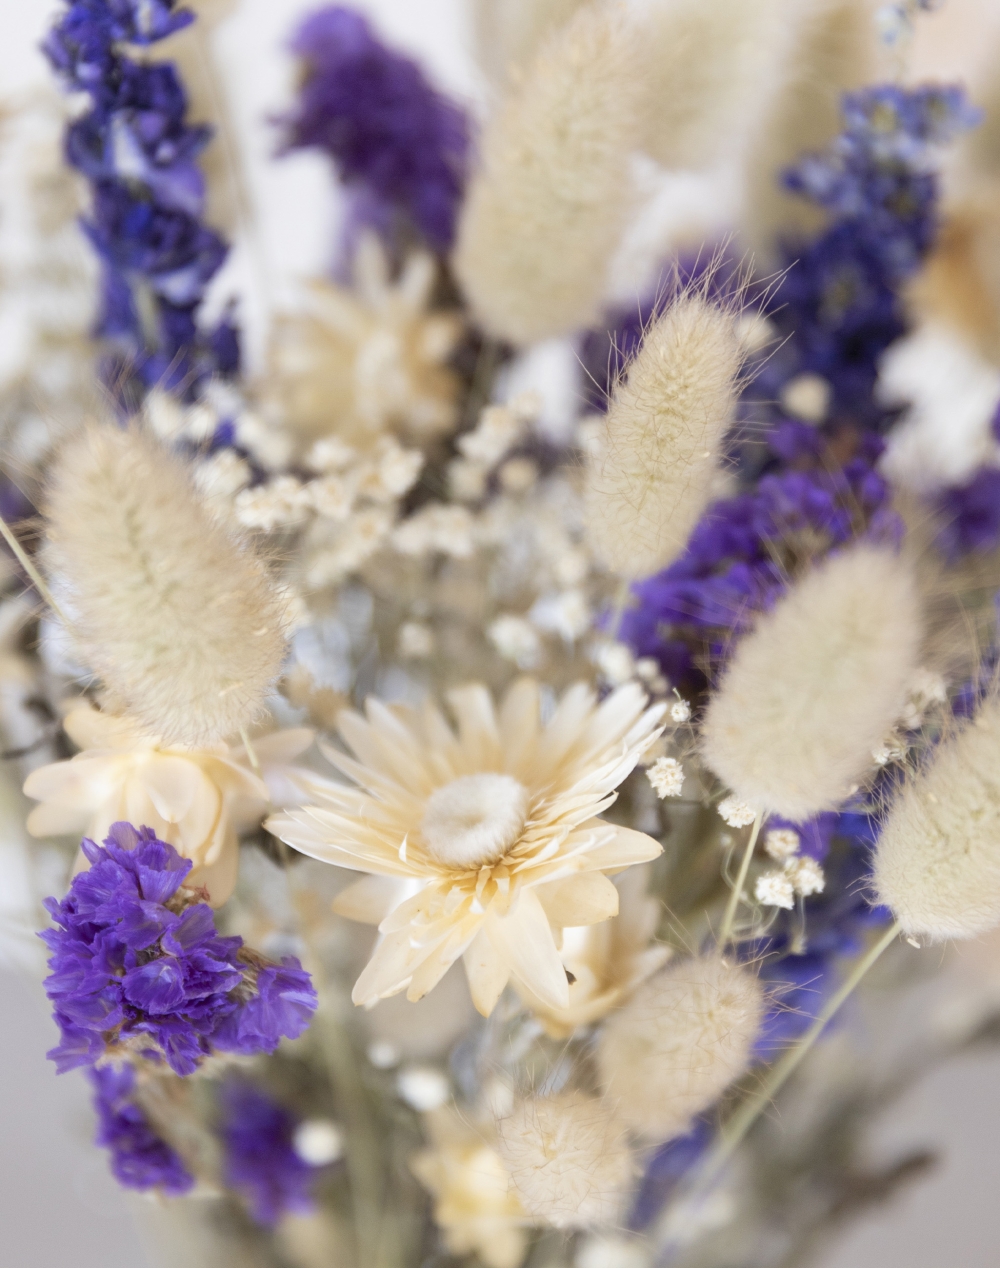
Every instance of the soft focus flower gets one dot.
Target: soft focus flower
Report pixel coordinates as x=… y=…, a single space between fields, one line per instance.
x=666 y=776
x=260 y=1159
x=481 y=841
x=138 y=967
x=196 y=799
x=474 y=1205
x=140 y=1159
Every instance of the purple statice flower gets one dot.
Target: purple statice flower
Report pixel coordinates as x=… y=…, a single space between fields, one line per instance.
x=139 y=968
x=665 y=1168
x=394 y=138
x=140 y=1159
x=260 y=1162
x=972 y=515
x=139 y=155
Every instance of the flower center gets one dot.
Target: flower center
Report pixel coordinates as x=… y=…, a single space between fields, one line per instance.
x=474 y=820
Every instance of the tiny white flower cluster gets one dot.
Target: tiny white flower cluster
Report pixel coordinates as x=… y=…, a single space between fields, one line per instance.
x=666 y=775
x=499 y=430
x=735 y=812
x=800 y=875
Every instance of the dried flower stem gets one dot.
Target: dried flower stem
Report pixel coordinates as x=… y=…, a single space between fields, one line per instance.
x=728 y=919
x=36 y=577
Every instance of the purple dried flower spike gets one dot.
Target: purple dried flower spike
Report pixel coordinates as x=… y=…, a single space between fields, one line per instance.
x=140 y=1159
x=260 y=1159
x=138 y=966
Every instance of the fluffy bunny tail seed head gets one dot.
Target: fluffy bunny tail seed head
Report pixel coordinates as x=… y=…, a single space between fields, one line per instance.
x=181 y=624
x=817 y=684
x=653 y=472
x=545 y=212
x=937 y=865
x=567 y=1159
x=679 y=1042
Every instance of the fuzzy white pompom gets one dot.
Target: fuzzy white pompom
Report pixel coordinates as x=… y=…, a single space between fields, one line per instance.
x=937 y=865
x=508 y=32
x=817 y=683
x=675 y=1047
x=181 y=624
x=545 y=212
x=567 y=1159
x=654 y=470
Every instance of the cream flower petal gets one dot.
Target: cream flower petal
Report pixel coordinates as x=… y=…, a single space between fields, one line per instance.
x=81 y=783
x=520 y=716
x=584 y=899
x=218 y=877
x=279 y=747
x=523 y=938
x=487 y=973
x=312 y=831
x=172 y=784
x=371 y=899
x=54 y=819
x=627 y=847
x=89 y=728
x=478 y=733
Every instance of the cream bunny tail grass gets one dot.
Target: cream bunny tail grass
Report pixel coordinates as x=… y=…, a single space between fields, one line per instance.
x=179 y=621
x=937 y=865
x=651 y=476
x=508 y=32
x=544 y=213
x=817 y=684
x=679 y=1042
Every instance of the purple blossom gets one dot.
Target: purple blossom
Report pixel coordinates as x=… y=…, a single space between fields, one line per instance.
x=140 y=1159
x=972 y=515
x=394 y=137
x=138 y=966
x=260 y=1161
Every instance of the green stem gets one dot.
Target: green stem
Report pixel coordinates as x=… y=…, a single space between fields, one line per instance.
x=729 y=918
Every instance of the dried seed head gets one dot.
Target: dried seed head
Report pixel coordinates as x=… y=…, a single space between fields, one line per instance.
x=180 y=622
x=673 y=1049
x=815 y=686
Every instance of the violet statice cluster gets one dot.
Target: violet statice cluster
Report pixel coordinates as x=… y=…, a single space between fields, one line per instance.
x=147 y=197
x=138 y=967
x=140 y=1159
x=259 y=1158
x=397 y=142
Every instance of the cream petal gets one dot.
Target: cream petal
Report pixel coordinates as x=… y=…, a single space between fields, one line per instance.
x=389 y=970
x=88 y=727
x=520 y=716
x=627 y=847
x=523 y=939
x=584 y=899
x=53 y=819
x=82 y=782
x=444 y=955
x=304 y=831
x=218 y=877
x=487 y=972
x=280 y=747
x=370 y=899
x=171 y=784
x=478 y=735
x=205 y=818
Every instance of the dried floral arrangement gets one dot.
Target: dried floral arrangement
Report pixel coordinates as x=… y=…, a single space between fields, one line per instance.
x=509 y=763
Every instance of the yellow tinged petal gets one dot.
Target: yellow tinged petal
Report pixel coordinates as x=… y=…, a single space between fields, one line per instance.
x=55 y=819
x=627 y=847
x=171 y=784
x=584 y=899
x=523 y=939
x=487 y=972
x=370 y=899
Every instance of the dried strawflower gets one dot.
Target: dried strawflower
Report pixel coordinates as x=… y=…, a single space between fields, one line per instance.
x=806 y=876
x=666 y=776
x=654 y=471
x=937 y=863
x=479 y=841
x=567 y=1159
x=549 y=203
x=775 y=889
x=782 y=843
x=738 y=814
x=679 y=1042
x=197 y=799
x=181 y=623
x=817 y=683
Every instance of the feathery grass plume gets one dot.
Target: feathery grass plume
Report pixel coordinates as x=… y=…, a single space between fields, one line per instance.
x=937 y=864
x=675 y=1047
x=836 y=51
x=179 y=621
x=567 y=1159
x=651 y=476
x=549 y=203
x=817 y=684
x=711 y=72
x=508 y=32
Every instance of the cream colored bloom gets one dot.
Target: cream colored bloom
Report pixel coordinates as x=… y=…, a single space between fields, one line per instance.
x=480 y=840
x=607 y=960
x=196 y=799
x=474 y=1205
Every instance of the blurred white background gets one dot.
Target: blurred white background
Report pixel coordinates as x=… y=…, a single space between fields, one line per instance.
x=58 y=1204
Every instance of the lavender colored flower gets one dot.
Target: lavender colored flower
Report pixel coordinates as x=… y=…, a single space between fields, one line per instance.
x=139 y=968
x=972 y=515
x=140 y=1159
x=394 y=137
x=260 y=1161
x=666 y=1167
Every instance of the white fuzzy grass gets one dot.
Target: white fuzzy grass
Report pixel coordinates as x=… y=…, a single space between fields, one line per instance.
x=180 y=622
x=508 y=32
x=675 y=1047
x=813 y=688
x=549 y=204
x=567 y=1158
x=649 y=479
x=937 y=865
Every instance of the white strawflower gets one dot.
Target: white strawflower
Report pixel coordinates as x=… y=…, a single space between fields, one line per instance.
x=782 y=843
x=673 y=1049
x=181 y=623
x=197 y=799
x=667 y=777
x=816 y=684
x=474 y=836
x=680 y=711
x=738 y=814
x=654 y=471
x=775 y=889
x=542 y=217
x=567 y=1159
x=806 y=875
x=937 y=863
